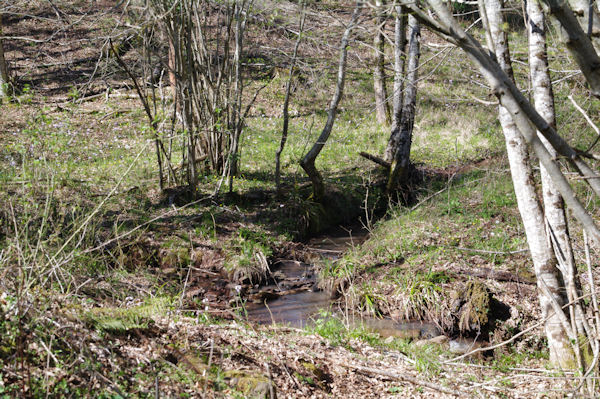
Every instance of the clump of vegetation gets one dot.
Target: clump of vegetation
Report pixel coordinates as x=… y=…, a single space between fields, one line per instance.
x=247 y=259
x=121 y=320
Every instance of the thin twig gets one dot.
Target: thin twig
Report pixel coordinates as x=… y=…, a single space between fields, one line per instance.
x=407 y=378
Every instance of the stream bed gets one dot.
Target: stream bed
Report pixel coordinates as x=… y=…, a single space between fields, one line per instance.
x=296 y=300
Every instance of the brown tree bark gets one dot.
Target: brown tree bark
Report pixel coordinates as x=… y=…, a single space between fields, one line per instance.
x=401 y=139
x=382 y=108
x=4 y=76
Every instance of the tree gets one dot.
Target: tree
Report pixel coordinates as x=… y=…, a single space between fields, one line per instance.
x=4 y=76
x=286 y=103
x=399 y=61
x=554 y=210
x=308 y=162
x=531 y=211
x=205 y=64
x=527 y=119
x=382 y=108
x=401 y=137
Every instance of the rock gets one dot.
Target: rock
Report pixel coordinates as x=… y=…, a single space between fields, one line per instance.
x=461 y=346
x=439 y=340
x=250 y=384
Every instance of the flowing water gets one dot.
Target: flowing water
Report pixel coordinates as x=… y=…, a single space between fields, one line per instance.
x=295 y=298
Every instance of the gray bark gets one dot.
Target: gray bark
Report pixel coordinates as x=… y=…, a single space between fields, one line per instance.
x=588 y=18
x=579 y=44
x=308 y=162
x=401 y=138
x=522 y=112
x=382 y=108
x=544 y=263
x=399 y=61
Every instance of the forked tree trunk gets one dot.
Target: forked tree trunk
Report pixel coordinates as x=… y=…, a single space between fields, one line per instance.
x=381 y=105
x=4 y=77
x=308 y=162
x=544 y=262
x=399 y=62
x=401 y=138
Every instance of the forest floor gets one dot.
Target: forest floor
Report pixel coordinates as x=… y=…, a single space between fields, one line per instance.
x=110 y=287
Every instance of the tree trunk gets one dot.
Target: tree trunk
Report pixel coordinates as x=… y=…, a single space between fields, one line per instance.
x=401 y=138
x=286 y=103
x=238 y=120
x=558 y=232
x=577 y=41
x=544 y=262
x=522 y=112
x=308 y=162
x=399 y=61
x=381 y=105
x=588 y=19
x=4 y=77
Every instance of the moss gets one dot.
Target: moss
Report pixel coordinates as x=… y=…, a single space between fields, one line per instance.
x=473 y=306
x=123 y=319
x=316 y=375
x=250 y=384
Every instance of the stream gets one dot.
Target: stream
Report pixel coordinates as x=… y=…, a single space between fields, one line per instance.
x=295 y=299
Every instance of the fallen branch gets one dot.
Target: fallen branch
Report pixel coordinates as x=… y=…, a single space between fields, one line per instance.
x=374 y=158
x=407 y=378
x=486 y=251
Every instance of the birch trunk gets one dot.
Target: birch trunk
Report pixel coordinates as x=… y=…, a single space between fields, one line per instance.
x=308 y=162
x=4 y=78
x=554 y=206
x=401 y=139
x=381 y=106
x=399 y=61
x=577 y=41
x=544 y=262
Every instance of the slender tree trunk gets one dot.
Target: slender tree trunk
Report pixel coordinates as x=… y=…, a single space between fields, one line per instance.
x=401 y=139
x=544 y=262
x=381 y=105
x=308 y=162
x=580 y=46
x=240 y=27
x=554 y=206
x=286 y=103
x=4 y=77
x=399 y=61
